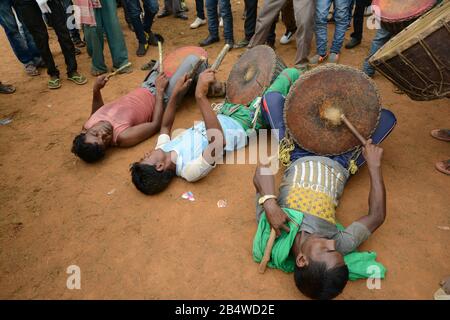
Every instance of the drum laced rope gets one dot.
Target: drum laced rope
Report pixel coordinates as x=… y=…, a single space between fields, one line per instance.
x=284 y=150
x=216 y=107
x=352 y=167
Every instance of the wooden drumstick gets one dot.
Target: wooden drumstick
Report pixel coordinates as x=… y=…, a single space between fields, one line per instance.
x=353 y=129
x=267 y=252
x=112 y=74
x=161 y=70
x=220 y=57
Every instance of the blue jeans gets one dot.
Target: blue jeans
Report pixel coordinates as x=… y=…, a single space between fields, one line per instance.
x=22 y=43
x=200 y=8
x=272 y=111
x=134 y=10
x=213 y=19
x=381 y=37
x=341 y=16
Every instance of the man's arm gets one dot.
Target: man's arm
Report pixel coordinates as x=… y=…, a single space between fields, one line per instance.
x=377 y=194
x=265 y=185
x=97 y=99
x=212 y=123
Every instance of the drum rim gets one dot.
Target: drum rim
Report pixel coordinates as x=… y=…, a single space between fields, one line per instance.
x=274 y=66
x=399 y=20
x=317 y=70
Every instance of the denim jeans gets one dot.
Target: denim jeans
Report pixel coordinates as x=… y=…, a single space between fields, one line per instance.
x=200 y=8
x=22 y=43
x=133 y=7
x=213 y=19
x=341 y=10
x=381 y=37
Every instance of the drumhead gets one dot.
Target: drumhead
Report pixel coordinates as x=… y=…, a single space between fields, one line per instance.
x=412 y=34
x=401 y=10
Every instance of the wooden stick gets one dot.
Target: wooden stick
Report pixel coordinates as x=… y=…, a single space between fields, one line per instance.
x=353 y=129
x=195 y=68
x=118 y=70
x=267 y=252
x=161 y=70
x=220 y=57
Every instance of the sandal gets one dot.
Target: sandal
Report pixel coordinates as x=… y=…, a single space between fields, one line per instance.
x=441 y=134
x=7 y=88
x=149 y=65
x=54 y=83
x=123 y=71
x=77 y=78
x=317 y=59
x=97 y=73
x=31 y=70
x=443 y=166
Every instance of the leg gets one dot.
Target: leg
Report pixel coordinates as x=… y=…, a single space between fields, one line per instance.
x=199 y=7
x=341 y=9
x=358 y=19
x=151 y=8
x=95 y=42
x=304 y=17
x=68 y=8
x=213 y=19
x=227 y=16
x=382 y=36
x=251 y=12
x=322 y=9
x=134 y=9
x=287 y=16
x=264 y=21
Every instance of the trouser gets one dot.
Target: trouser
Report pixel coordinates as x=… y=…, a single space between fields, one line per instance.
x=358 y=18
x=133 y=7
x=213 y=19
x=200 y=8
x=32 y=17
x=251 y=12
x=22 y=43
x=304 y=17
x=341 y=14
x=381 y=37
x=173 y=6
x=287 y=16
x=74 y=32
x=107 y=23
x=185 y=67
x=272 y=112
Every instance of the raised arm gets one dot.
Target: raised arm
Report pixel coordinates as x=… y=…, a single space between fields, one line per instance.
x=97 y=99
x=212 y=123
x=377 y=194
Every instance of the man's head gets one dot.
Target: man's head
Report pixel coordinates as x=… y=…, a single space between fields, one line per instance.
x=320 y=271
x=92 y=144
x=153 y=173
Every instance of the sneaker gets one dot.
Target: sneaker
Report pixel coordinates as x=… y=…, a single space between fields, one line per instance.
x=197 y=23
x=287 y=37
x=317 y=59
x=352 y=43
x=221 y=22
x=334 y=58
x=181 y=15
x=142 y=49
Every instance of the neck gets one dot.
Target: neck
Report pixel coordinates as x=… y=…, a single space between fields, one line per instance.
x=299 y=240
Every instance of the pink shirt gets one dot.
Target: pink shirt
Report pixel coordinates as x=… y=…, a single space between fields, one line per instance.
x=130 y=110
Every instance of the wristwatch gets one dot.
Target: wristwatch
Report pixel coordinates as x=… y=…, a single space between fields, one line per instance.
x=265 y=198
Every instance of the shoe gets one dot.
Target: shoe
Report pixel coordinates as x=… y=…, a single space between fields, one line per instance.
x=209 y=40
x=77 y=78
x=334 y=58
x=153 y=38
x=352 y=43
x=441 y=134
x=287 y=37
x=317 y=59
x=443 y=166
x=181 y=15
x=221 y=22
x=31 y=70
x=164 y=13
x=197 y=23
x=142 y=49
x=242 y=44
x=96 y=73
x=54 y=83
x=7 y=88
x=149 y=65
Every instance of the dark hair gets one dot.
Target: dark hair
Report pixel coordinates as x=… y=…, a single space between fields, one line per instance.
x=89 y=152
x=316 y=282
x=148 y=180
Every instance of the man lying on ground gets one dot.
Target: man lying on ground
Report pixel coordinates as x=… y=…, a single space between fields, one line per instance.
x=193 y=154
x=131 y=119
x=309 y=241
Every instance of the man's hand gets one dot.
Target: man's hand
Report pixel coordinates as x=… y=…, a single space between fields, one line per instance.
x=277 y=218
x=181 y=87
x=373 y=154
x=43 y=5
x=161 y=83
x=100 y=82
x=206 y=78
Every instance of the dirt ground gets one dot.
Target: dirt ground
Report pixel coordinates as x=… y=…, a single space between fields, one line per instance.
x=56 y=211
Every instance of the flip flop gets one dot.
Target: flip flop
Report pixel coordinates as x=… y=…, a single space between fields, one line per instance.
x=441 y=134
x=54 y=83
x=78 y=79
x=97 y=73
x=441 y=295
x=443 y=166
x=7 y=88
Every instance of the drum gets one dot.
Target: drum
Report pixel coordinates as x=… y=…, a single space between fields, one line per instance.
x=416 y=60
x=253 y=73
x=172 y=61
x=337 y=87
x=395 y=15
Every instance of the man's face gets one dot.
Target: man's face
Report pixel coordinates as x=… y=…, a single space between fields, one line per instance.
x=100 y=133
x=320 y=249
x=157 y=158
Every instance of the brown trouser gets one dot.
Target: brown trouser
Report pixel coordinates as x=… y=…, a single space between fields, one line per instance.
x=304 y=17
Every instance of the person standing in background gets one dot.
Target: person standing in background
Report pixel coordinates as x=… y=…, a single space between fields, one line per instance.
x=212 y=7
x=358 y=23
x=74 y=32
x=173 y=7
x=200 y=19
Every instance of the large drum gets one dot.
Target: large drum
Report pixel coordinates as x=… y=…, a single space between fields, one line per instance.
x=395 y=15
x=337 y=87
x=253 y=74
x=417 y=59
x=173 y=60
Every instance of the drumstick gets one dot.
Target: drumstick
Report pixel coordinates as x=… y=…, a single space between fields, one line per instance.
x=267 y=252
x=353 y=129
x=195 y=68
x=161 y=70
x=220 y=57
x=118 y=70
x=335 y=117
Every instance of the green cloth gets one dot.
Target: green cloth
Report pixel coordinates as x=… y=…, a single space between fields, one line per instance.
x=359 y=263
x=244 y=114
